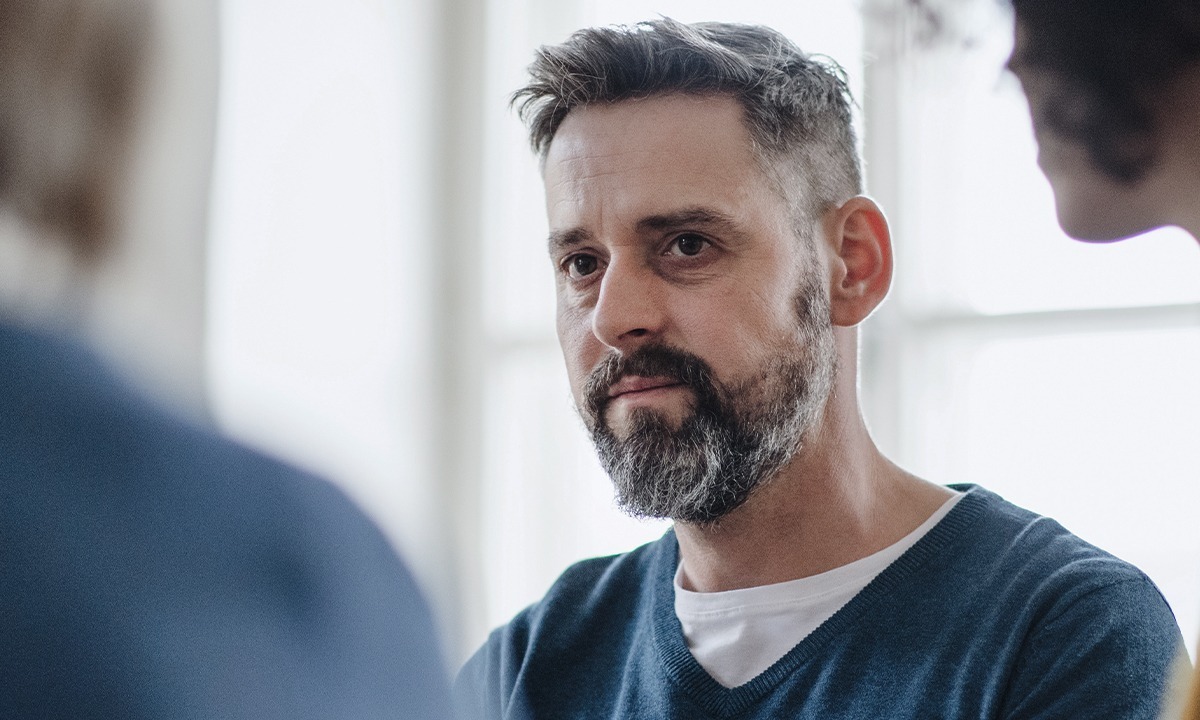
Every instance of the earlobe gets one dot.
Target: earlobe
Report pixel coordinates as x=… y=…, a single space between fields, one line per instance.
x=861 y=267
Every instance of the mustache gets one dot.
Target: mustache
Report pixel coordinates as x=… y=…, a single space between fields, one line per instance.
x=654 y=360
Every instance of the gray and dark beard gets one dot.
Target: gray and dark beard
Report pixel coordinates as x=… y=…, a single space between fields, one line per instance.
x=735 y=438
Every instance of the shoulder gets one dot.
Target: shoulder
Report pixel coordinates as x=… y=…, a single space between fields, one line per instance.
x=589 y=615
x=590 y=591
x=1039 y=550
x=1001 y=536
x=121 y=516
x=84 y=449
x=1037 y=558
x=71 y=427
x=1088 y=630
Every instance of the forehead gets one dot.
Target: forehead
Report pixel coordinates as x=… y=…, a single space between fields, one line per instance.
x=652 y=155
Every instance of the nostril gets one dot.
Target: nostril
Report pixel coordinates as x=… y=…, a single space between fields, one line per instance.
x=638 y=332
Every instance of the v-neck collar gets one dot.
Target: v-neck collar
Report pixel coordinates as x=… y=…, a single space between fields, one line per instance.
x=716 y=699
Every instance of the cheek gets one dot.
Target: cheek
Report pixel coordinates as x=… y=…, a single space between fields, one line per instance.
x=736 y=334
x=579 y=347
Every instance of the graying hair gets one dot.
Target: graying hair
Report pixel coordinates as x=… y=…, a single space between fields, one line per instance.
x=797 y=107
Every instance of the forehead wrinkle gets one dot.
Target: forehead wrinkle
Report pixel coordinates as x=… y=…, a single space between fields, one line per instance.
x=582 y=168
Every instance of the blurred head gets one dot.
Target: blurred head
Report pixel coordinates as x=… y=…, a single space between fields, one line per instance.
x=696 y=177
x=1107 y=83
x=67 y=93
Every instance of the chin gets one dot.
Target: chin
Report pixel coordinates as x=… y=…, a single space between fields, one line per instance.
x=1098 y=211
x=1094 y=227
x=1089 y=233
x=640 y=419
x=1092 y=207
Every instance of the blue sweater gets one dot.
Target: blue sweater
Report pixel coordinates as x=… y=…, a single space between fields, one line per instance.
x=995 y=613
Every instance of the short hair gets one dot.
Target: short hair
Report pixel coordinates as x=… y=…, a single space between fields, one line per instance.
x=68 y=75
x=1119 y=56
x=797 y=108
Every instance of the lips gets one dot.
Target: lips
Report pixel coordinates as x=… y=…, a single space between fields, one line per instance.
x=640 y=383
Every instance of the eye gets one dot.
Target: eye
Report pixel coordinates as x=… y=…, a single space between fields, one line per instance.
x=580 y=266
x=688 y=245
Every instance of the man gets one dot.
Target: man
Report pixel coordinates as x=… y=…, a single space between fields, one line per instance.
x=713 y=257
x=148 y=568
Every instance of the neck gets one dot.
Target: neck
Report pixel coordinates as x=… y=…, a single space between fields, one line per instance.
x=837 y=501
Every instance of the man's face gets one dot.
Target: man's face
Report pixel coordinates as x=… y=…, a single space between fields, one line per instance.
x=692 y=316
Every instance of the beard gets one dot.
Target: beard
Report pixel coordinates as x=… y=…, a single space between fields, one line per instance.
x=735 y=437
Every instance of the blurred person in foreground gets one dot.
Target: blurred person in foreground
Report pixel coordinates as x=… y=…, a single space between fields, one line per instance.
x=714 y=256
x=1114 y=94
x=148 y=568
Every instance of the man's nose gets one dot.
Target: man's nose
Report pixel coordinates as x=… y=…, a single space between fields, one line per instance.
x=630 y=309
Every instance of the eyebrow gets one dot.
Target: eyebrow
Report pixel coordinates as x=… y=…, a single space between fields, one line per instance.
x=696 y=217
x=563 y=239
x=692 y=217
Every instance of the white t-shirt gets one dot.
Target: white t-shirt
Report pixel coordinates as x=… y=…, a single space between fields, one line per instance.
x=737 y=634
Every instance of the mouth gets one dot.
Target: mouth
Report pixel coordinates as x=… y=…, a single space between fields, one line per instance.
x=634 y=384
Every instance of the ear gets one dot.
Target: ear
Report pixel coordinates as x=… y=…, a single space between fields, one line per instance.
x=861 y=261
